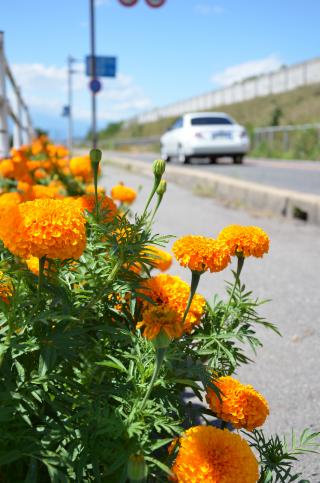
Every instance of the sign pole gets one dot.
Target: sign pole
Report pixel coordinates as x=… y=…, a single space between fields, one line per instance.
x=93 y=76
x=70 y=112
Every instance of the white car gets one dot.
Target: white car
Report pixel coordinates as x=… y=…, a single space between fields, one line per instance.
x=205 y=134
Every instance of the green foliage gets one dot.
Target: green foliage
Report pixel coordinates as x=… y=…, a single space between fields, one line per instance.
x=277 y=455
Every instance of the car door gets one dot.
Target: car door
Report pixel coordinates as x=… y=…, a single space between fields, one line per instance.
x=172 y=137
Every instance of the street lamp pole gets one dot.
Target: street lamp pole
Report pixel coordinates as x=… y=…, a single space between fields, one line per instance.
x=93 y=76
x=71 y=60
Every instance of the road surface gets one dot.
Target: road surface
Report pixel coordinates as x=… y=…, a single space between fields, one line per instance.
x=303 y=176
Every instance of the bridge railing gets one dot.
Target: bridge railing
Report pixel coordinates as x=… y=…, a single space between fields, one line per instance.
x=18 y=113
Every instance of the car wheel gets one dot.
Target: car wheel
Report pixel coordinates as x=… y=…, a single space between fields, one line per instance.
x=238 y=159
x=182 y=157
x=213 y=160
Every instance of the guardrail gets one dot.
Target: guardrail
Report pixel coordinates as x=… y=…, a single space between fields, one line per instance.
x=20 y=116
x=269 y=135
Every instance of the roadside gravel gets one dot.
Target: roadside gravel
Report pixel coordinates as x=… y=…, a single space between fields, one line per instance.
x=287 y=369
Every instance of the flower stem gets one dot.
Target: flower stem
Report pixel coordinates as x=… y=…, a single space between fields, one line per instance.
x=236 y=282
x=195 y=278
x=154 y=189
x=42 y=262
x=160 y=353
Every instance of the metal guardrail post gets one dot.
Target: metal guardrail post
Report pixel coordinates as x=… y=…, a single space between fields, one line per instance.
x=4 y=133
x=18 y=128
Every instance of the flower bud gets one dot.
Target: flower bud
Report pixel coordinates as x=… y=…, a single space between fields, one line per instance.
x=95 y=156
x=158 y=167
x=137 y=468
x=161 y=341
x=162 y=188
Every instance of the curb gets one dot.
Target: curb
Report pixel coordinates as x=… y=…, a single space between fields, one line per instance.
x=245 y=194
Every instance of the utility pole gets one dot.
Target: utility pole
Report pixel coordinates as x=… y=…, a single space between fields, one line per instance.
x=93 y=76
x=70 y=61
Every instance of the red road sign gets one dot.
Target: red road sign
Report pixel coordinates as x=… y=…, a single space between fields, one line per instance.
x=155 y=3
x=128 y=3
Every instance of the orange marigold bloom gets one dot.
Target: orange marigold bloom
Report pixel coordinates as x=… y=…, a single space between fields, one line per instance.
x=107 y=206
x=159 y=259
x=45 y=192
x=7 y=168
x=38 y=228
x=10 y=199
x=212 y=455
x=157 y=318
x=123 y=193
x=241 y=405
x=40 y=173
x=5 y=287
x=171 y=293
x=245 y=240
x=90 y=190
x=80 y=167
x=201 y=253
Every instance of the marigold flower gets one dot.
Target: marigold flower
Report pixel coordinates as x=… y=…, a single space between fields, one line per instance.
x=123 y=193
x=51 y=228
x=90 y=190
x=157 y=318
x=245 y=240
x=5 y=287
x=7 y=168
x=212 y=455
x=80 y=167
x=170 y=293
x=45 y=192
x=201 y=253
x=240 y=405
x=159 y=259
x=107 y=206
x=10 y=199
x=40 y=173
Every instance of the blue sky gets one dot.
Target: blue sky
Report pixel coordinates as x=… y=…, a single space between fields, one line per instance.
x=182 y=49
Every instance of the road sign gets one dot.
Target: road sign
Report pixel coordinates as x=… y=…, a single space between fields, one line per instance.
x=105 y=66
x=155 y=3
x=128 y=3
x=95 y=86
x=65 y=111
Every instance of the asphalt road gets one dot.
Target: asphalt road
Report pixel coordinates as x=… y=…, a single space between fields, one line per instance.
x=303 y=176
x=286 y=369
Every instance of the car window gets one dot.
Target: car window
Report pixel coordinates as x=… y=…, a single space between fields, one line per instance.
x=178 y=123
x=210 y=120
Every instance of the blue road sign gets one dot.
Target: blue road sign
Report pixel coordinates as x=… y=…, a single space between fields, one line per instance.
x=65 y=111
x=95 y=86
x=105 y=66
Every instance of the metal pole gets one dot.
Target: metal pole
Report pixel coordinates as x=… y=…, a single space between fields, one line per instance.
x=18 y=128
x=4 y=134
x=93 y=76
x=70 y=116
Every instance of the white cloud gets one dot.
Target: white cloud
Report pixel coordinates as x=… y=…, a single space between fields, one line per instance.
x=247 y=69
x=99 y=3
x=44 y=89
x=208 y=9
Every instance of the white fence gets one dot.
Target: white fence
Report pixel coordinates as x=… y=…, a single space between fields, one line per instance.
x=18 y=114
x=282 y=80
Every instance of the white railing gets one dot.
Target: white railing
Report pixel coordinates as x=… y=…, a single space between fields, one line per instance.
x=268 y=134
x=19 y=114
x=282 y=80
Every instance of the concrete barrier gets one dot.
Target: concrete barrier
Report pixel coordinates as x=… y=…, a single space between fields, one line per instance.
x=264 y=199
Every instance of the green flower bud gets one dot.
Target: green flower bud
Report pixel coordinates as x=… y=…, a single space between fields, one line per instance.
x=95 y=156
x=137 y=468
x=162 y=188
x=161 y=341
x=158 y=167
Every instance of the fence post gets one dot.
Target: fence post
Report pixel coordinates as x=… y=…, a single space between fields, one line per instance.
x=18 y=128
x=4 y=134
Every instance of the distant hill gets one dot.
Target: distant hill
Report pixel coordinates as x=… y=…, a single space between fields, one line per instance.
x=299 y=106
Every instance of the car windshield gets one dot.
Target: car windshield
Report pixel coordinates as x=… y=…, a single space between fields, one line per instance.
x=210 y=120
